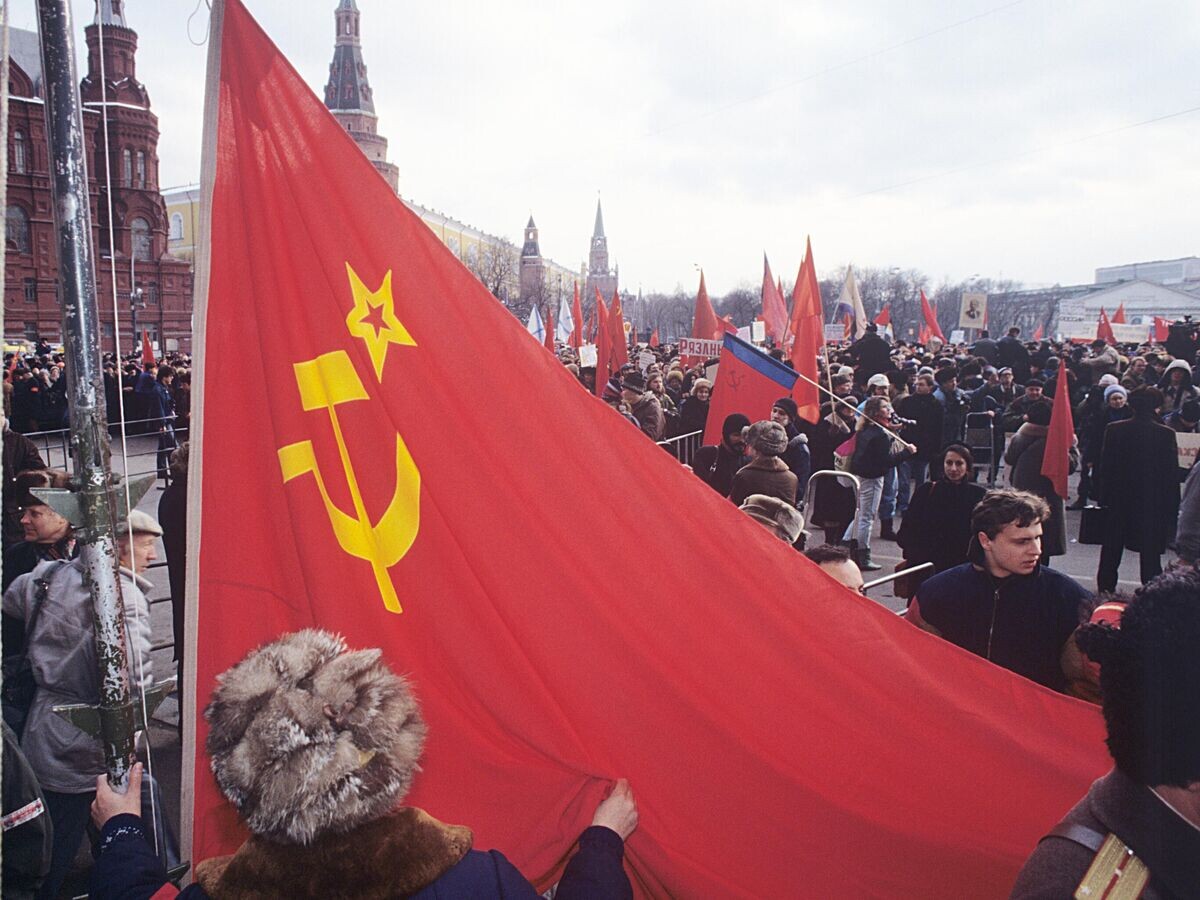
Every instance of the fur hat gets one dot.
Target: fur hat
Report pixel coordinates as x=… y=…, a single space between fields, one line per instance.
x=768 y=438
x=307 y=737
x=1107 y=379
x=778 y=517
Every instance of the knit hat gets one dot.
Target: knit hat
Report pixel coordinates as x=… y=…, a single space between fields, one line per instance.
x=788 y=405
x=307 y=737
x=879 y=380
x=1115 y=389
x=767 y=438
x=634 y=382
x=734 y=424
x=778 y=517
x=1190 y=411
x=1107 y=379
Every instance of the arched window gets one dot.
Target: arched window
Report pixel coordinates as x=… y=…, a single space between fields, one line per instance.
x=19 y=152
x=140 y=230
x=141 y=169
x=126 y=168
x=176 y=233
x=17 y=229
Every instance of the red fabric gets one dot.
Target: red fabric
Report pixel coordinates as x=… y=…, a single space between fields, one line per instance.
x=923 y=334
x=727 y=326
x=1104 y=330
x=147 y=351
x=848 y=326
x=783 y=736
x=930 y=318
x=704 y=320
x=774 y=308
x=549 y=324
x=577 y=314
x=884 y=318
x=1039 y=332
x=619 y=346
x=1162 y=329
x=748 y=382
x=1119 y=316
x=808 y=326
x=1056 y=461
x=603 y=345
x=654 y=338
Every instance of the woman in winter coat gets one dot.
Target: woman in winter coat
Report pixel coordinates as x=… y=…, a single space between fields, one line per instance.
x=937 y=528
x=875 y=452
x=693 y=413
x=1177 y=386
x=833 y=502
x=1024 y=457
x=766 y=473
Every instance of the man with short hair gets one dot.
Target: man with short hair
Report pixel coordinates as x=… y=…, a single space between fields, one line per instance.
x=20 y=455
x=1002 y=604
x=955 y=406
x=717 y=464
x=1137 y=831
x=1014 y=417
x=835 y=561
x=923 y=408
x=644 y=406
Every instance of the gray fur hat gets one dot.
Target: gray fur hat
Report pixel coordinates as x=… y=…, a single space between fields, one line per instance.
x=768 y=438
x=782 y=519
x=308 y=737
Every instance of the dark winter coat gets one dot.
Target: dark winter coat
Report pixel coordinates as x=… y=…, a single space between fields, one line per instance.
x=1021 y=622
x=986 y=347
x=650 y=417
x=693 y=415
x=833 y=503
x=1011 y=353
x=955 y=407
x=1116 y=804
x=1024 y=456
x=875 y=452
x=1139 y=483
x=927 y=411
x=937 y=526
x=768 y=475
x=872 y=355
x=716 y=465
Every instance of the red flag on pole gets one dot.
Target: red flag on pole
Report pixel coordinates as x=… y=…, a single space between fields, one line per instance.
x=774 y=308
x=619 y=347
x=603 y=345
x=1039 y=332
x=1162 y=329
x=923 y=334
x=1119 y=316
x=808 y=325
x=884 y=319
x=550 y=330
x=577 y=313
x=1056 y=460
x=338 y=329
x=931 y=322
x=704 y=321
x=654 y=338
x=727 y=326
x=147 y=351
x=748 y=382
x=1104 y=330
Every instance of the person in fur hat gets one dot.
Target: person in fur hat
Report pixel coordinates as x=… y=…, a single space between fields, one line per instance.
x=316 y=746
x=766 y=473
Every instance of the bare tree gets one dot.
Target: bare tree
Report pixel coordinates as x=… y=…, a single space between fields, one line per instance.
x=496 y=265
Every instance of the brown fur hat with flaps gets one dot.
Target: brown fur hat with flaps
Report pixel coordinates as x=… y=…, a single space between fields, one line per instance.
x=307 y=737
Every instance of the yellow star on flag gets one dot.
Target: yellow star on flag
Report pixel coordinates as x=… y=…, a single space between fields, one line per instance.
x=373 y=319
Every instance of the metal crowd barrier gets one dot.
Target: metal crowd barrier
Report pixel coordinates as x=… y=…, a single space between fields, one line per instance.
x=683 y=447
x=56 y=445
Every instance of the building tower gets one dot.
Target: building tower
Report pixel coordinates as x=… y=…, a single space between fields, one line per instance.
x=600 y=276
x=348 y=95
x=533 y=267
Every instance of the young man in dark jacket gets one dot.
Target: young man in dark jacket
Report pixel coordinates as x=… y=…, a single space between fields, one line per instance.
x=924 y=409
x=716 y=464
x=1003 y=605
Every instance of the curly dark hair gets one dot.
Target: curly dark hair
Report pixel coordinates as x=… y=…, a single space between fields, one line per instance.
x=1150 y=680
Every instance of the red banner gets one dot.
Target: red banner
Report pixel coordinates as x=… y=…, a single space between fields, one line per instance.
x=783 y=736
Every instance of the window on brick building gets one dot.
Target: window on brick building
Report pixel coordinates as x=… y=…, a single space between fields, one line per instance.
x=30 y=285
x=17 y=225
x=141 y=169
x=126 y=168
x=152 y=294
x=18 y=160
x=139 y=229
x=176 y=233
x=31 y=331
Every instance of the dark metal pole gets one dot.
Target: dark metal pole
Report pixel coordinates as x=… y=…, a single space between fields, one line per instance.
x=92 y=499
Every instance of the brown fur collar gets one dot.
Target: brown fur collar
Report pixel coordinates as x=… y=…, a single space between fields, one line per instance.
x=392 y=856
x=767 y=464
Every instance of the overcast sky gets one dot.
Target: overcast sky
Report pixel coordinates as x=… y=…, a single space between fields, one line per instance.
x=960 y=137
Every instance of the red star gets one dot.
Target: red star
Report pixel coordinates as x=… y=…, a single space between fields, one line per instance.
x=374 y=318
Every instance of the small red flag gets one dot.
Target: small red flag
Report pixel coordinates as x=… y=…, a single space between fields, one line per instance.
x=931 y=322
x=147 y=351
x=1162 y=329
x=1039 y=332
x=774 y=308
x=577 y=313
x=884 y=319
x=550 y=330
x=603 y=345
x=1056 y=460
x=923 y=335
x=619 y=347
x=704 y=320
x=808 y=326
x=1104 y=330
x=1119 y=316
x=654 y=338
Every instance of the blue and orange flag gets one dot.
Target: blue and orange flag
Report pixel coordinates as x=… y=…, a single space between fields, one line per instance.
x=748 y=382
x=783 y=735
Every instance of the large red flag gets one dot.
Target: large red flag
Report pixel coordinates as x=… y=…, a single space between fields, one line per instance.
x=774 y=308
x=1104 y=330
x=759 y=722
x=1119 y=316
x=884 y=319
x=549 y=338
x=808 y=327
x=1056 y=462
x=577 y=313
x=603 y=345
x=619 y=343
x=704 y=321
x=748 y=382
x=147 y=350
x=930 y=318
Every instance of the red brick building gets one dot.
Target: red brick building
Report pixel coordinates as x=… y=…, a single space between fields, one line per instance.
x=139 y=219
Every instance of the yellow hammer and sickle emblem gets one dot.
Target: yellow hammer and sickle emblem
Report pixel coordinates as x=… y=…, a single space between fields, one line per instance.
x=325 y=383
